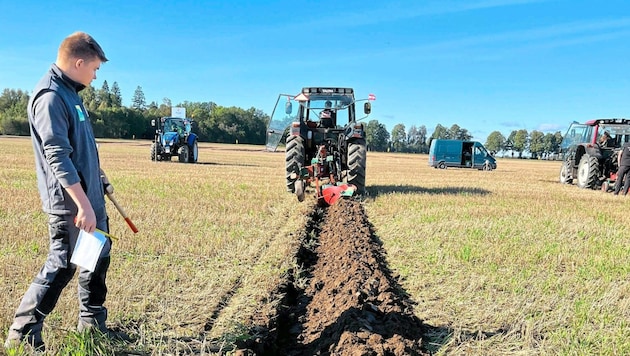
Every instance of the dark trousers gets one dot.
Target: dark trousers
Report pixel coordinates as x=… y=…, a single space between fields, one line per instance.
x=43 y=293
x=622 y=178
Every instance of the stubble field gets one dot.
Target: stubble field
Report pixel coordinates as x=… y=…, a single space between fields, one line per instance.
x=508 y=262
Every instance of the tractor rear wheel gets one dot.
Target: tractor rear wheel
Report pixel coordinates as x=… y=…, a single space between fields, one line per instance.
x=194 y=153
x=184 y=154
x=588 y=172
x=357 y=158
x=295 y=155
x=565 y=173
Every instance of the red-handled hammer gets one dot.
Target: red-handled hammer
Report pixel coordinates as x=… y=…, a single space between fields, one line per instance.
x=122 y=212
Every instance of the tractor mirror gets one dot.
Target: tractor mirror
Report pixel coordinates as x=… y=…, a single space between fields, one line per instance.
x=288 y=108
x=153 y=123
x=367 y=107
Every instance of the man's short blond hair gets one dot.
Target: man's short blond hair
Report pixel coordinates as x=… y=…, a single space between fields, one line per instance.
x=82 y=46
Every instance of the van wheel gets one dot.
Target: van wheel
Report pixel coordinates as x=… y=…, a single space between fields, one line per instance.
x=487 y=166
x=442 y=165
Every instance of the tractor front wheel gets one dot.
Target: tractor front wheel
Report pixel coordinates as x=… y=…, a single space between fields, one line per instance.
x=565 y=173
x=357 y=159
x=154 y=153
x=588 y=172
x=295 y=156
x=299 y=189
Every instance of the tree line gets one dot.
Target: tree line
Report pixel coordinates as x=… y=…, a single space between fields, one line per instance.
x=110 y=119
x=215 y=123
x=416 y=139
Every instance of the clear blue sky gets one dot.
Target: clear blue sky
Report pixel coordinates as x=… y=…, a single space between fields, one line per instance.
x=485 y=65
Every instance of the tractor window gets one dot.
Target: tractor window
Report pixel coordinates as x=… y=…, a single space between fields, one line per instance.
x=319 y=111
x=174 y=125
x=576 y=134
x=619 y=133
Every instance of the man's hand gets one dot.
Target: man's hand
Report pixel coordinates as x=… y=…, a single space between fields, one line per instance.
x=86 y=219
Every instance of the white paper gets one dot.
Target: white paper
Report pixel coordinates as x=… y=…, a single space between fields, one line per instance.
x=88 y=249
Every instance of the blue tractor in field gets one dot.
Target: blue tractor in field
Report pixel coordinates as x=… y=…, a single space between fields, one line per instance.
x=174 y=137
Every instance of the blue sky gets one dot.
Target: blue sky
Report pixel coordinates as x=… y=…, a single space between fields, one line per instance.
x=485 y=65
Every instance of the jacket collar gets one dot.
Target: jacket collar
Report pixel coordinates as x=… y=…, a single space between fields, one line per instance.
x=71 y=83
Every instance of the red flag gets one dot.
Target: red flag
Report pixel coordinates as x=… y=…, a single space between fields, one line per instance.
x=371 y=97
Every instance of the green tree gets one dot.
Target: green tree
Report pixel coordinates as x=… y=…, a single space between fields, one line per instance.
x=103 y=96
x=201 y=113
x=549 y=143
x=559 y=139
x=458 y=133
x=376 y=136
x=440 y=132
x=138 y=101
x=536 y=143
x=520 y=141
x=399 y=138
x=416 y=138
x=13 y=116
x=422 y=136
x=116 y=96
x=495 y=142
x=88 y=95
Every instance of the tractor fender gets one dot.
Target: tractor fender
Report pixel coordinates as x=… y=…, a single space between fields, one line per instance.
x=191 y=139
x=594 y=151
x=589 y=149
x=354 y=130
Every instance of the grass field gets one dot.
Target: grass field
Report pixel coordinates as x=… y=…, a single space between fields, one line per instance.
x=508 y=262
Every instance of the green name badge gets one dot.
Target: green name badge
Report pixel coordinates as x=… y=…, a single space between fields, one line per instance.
x=80 y=112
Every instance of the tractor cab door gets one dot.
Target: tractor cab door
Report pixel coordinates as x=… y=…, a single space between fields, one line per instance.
x=284 y=113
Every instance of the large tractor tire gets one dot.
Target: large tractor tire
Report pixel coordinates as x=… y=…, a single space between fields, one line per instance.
x=357 y=158
x=565 y=173
x=154 y=153
x=588 y=172
x=184 y=154
x=295 y=155
x=194 y=153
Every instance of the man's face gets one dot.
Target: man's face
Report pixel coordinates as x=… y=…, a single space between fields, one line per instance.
x=85 y=71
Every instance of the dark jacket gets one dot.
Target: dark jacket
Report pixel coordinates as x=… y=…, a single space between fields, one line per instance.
x=64 y=144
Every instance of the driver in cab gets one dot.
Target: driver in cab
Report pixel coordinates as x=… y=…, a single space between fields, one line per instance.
x=327 y=118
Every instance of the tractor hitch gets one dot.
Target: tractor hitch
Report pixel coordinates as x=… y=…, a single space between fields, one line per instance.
x=327 y=191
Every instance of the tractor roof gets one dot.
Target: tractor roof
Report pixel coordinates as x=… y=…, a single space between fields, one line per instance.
x=327 y=91
x=345 y=95
x=595 y=122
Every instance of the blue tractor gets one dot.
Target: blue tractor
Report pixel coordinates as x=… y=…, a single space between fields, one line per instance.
x=173 y=137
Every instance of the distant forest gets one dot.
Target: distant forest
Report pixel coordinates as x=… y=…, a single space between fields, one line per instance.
x=220 y=124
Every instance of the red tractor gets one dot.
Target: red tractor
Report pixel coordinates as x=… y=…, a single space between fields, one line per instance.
x=321 y=151
x=590 y=152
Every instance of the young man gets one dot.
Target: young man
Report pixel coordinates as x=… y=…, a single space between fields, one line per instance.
x=71 y=186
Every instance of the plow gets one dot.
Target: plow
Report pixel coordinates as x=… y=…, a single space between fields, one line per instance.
x=321 y=152
x=323 y=174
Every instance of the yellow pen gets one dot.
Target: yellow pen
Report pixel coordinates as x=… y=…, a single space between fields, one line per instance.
x=106 y=234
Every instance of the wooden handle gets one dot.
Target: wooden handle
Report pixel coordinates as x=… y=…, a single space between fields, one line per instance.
x=122 y=212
